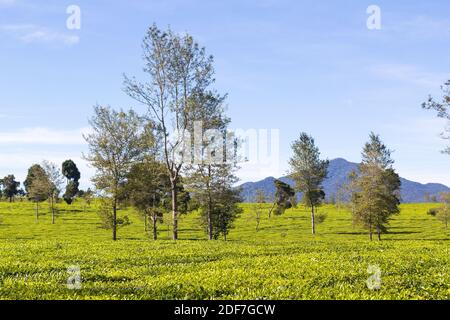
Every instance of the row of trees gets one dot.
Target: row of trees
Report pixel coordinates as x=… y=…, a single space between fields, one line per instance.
x=44 y=182
x=146 y=160
x=374 y=189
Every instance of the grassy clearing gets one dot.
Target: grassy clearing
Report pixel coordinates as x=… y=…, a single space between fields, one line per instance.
x=281 y=261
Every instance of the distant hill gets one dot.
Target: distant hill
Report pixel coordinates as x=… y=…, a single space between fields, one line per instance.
x=411 y=192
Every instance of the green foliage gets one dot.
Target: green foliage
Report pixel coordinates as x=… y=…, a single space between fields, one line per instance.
x=320 y=217
x=72 y=174
x=87 y=197
x=118 y=141
x=442 y=213
x=225 y=211
x=71 y=191
x=70 y=170
x=183 y=200
x=178 y=93
x=37 y=184
x=107 y=218
x=308 y=171
x=146 y=188
x=280 y=261
x=443 y=110
x=33 y=172
x=313 y=198
x=10 y=187
x=284 y=198
x=376 y=188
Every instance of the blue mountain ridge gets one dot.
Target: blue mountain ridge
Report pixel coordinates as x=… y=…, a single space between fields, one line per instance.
x=338 y=171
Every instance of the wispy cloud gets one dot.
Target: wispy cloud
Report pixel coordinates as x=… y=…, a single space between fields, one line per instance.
x=18 y=163
x=7 y=3
x=44 y=136
x=29 y=33
x=421 y=27
x=410 y=74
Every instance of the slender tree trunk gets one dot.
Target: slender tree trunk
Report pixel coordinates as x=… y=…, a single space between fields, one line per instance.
x=53 y=210
x=145 y=222
x=37 y=211
x=114 y=226
x=210 y=227
x=313 y=226
x=379 y=233
x=270 y=211
x=174 y=212
x=168 y=230
x=155 y=235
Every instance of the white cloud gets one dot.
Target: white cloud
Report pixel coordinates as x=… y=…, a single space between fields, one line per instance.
x=27 y=146
x=7 y=3
x=44 y=136
x=19 y=162
x=421 y=27
x=29 y=33
x=410 y=74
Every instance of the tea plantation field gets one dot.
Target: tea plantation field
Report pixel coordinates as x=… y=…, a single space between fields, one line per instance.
x=280 y=261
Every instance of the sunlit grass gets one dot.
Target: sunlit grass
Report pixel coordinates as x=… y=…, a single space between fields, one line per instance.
x=280 y=261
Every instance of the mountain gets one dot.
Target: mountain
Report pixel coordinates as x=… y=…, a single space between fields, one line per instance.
x=338 y=171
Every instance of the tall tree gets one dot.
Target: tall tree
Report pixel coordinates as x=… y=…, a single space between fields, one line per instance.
x=308 y=172
x=119 y=140
x=443 y=110
x=37 y=185
x=214 y=155
x=10 y=187
x=225 y=210
x=376 y=188
x=179 y=69
x=212 y=186
x=54 y=186
x=72 y=174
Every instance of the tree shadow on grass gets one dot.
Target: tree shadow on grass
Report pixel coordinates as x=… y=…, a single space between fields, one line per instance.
x=415 y=239
x=402 y=232
x=74 y=211
x=365 y=233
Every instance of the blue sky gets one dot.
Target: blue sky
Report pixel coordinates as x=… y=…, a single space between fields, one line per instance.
x=295 y=66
